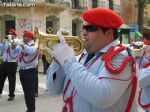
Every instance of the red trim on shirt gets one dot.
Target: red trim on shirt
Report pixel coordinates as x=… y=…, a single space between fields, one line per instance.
x=108 y=56
x=9 y=53
x=144 y=106
x=23 y=54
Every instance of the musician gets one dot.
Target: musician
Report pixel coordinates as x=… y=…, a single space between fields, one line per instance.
x=28 y=71
x=104 y=80
x=10 y=55
x=144 y=78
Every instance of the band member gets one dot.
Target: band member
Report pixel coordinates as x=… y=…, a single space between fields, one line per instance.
x=10 y=54
x=144 y=78
x=28 y=62
x=104 y=80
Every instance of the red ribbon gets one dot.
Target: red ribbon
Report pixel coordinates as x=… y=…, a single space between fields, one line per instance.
x=107 y=58
x=8 y=52
x=23 y=54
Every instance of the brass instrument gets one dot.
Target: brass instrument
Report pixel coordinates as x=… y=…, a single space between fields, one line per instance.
x=8 y=39
x=48 y=40
x=138 y=48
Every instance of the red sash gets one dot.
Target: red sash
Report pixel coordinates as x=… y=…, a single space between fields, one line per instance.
x=23 y=54
x=9 y=53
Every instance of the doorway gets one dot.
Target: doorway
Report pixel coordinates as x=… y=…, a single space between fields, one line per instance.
x=9 y=24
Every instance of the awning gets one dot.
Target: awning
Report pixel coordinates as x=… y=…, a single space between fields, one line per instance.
x=125 y=26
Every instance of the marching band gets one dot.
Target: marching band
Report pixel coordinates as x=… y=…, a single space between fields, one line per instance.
x=104 y=79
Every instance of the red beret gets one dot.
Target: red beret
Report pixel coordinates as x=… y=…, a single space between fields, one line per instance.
x=13 y=31
x=103 y=17
x=28 y=33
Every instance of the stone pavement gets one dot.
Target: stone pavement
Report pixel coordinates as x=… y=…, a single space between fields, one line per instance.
x=44 y=103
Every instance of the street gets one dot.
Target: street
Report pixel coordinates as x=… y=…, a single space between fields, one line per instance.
x=45 y=102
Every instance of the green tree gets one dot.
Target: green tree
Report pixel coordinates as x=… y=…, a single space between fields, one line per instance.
x=141 y=6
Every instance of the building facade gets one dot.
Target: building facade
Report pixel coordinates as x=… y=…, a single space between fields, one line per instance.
x=48 y=15
x=146 y=24
x=51 y=15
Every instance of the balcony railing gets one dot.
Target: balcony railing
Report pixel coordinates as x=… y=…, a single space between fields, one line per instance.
x=64 y=3
x=67 y=3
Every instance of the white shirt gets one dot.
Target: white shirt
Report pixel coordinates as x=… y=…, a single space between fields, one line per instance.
x=10 y=55
x=93 y=94
x=144 y=78
x=31 y=52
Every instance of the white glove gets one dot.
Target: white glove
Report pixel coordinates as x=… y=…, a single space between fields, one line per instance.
x=61 y=51
x=17 y=41
x=10 y=38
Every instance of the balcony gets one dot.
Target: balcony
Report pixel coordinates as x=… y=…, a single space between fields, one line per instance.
x=76 y=5
x=67 y=4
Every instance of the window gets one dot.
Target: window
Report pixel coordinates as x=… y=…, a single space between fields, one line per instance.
x=110 y=4
x=52 y=24
x=75 y=4
x=94 y=3
x=8 y=25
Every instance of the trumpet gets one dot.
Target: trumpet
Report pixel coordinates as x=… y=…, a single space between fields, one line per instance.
x=14 y=41
x=48 y=40
x=8 y=38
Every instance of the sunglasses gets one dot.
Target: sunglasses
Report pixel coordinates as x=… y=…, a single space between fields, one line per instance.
x=90 y=28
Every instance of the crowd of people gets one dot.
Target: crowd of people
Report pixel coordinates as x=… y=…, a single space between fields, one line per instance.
x=104 y=79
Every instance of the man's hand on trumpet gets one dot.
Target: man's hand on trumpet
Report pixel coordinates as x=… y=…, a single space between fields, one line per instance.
x=16 y=42
x=61 y=51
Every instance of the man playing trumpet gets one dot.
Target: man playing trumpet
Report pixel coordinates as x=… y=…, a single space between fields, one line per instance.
x=10 y=54
x=28 y=69
x=104 y=79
